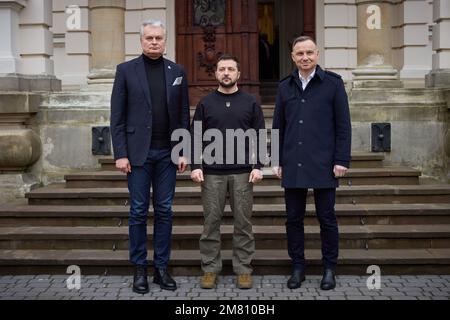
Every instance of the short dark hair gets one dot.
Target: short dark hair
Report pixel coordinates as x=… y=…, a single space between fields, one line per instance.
x=227 y=56
x=303 y=39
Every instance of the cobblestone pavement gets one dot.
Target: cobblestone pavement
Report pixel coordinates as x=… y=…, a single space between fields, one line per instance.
x=54 y=287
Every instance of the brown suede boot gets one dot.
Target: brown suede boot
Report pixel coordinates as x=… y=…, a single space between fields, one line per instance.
x=208 y=280
x=244 y=281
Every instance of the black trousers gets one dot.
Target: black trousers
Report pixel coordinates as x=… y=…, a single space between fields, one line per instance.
x=324 y=200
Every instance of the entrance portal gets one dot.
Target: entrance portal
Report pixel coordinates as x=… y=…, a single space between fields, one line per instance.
x=205 y=29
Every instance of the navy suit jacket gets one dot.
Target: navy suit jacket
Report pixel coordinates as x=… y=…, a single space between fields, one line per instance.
x=315 y=129
x=131 y=108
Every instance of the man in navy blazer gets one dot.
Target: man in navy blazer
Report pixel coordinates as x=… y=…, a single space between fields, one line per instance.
x=313 y=118
x=149 y=101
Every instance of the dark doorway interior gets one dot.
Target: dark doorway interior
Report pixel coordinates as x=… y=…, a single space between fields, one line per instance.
x=279 y=22
x=268 y=37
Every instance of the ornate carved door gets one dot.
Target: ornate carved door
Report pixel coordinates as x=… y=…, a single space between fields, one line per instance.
x=208 y=28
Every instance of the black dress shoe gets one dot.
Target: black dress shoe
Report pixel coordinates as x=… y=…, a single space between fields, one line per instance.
x=328 y=280
x=296 y=279
x=163 y=278
x=140 y=282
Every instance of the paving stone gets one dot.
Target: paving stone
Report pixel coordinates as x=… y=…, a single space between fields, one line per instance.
x=273 y=290
x=441 y=297
x=230 y=294
x=370 y=292
x=352 y=293
x=15 y=298
x=118 y=285
x=176 y=298
x=381 y=298
x=331 y=293
x=358 y=298
x=194 y=294
x=293 y=294
x=269 y=294
x=394 y=284
x=223 y=290
x=249 y=294
x=392 y=278
x=309 y=294
x=265 y=287
x=45 y=297
x=5 y=281
x=393 y=294
x=413 y=292
x=437 y=285
x=409 y=278
x=212 y=294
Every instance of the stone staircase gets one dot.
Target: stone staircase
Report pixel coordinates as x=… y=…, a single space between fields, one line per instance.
x=386 y=218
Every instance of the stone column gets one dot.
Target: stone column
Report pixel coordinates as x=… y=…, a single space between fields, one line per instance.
x=440 y=74
x=25 y=68
x=36 y=39
x=412 y=40
x=71 y=42
x=26 y=46
x=340 y=29
x=9 y=24
x=374 y=20
x=107 y=39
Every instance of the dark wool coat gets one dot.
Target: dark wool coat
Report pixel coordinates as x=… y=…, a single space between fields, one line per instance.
x=315 y=129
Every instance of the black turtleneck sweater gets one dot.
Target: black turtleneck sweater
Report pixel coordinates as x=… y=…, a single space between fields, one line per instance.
x=160 y=117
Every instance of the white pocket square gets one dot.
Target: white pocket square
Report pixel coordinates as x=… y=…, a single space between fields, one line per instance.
x=177 y=81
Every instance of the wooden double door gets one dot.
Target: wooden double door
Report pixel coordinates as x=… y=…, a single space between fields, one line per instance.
x=207 y=28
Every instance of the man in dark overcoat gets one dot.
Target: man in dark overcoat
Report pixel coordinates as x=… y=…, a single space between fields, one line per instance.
x=313 y=119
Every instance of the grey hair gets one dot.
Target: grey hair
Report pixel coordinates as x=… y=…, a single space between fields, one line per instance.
x=154 y=23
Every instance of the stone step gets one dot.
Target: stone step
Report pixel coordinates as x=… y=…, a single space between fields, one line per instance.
x=187 y=262
x=269 y=98
x=359 y=160
x=57 y=194
x=405 y=97
x=371 y=176
x=266 y=214
x=187 y=237
x=267 y=84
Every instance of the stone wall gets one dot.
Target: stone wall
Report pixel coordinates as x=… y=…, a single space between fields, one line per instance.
x=65 y=129
x=419 y=121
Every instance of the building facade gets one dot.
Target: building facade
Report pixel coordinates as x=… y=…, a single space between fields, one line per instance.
x=58 y=58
